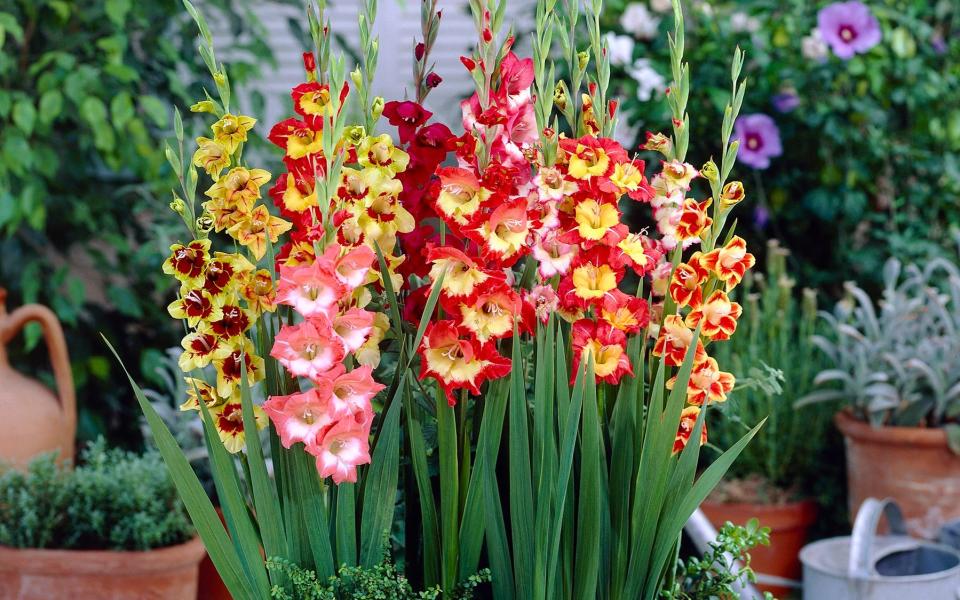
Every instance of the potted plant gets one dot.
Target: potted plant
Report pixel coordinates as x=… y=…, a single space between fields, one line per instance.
x=896 y=366
x=774 y=360
x=113 y=527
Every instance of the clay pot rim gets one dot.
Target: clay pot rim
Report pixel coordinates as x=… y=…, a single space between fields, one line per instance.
x=862 y=431
x=804 y=511
x=86 y=562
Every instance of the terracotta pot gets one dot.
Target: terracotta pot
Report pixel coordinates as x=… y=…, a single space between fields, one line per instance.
x=163 y=574
x=912 y=465
x=34 y=420
x=788 y=525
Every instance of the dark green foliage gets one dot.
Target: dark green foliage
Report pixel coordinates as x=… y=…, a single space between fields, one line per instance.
x=114 y=500
x=775 y=361
x=382 y=582
x=86 y=88
x=871 y=163
x=713 y=575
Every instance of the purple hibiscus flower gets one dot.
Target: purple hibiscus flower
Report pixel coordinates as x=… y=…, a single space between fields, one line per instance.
x=848 y=28
x=759 y=140
x=786 y=101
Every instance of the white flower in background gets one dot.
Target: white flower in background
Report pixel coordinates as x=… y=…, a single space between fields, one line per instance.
x=647 y=78
x=742 y=22
x=619 y=49
x=638 y=20
x=624 y=132
x=661 y=6
x=813 y=47
x=704 y=7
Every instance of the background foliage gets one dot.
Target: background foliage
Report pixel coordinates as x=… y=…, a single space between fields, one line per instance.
x=85 y=90
x=871 y=163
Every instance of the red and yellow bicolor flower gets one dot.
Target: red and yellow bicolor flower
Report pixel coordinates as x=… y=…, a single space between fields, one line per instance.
x=260 y=293
x=459 y=195
x=200 y=348
x=229 y=370
x=674 y=340
x=627 y=313
x=379 y=152
x=605 y=345
x=225 y=273
x=504 y=233
x=211 y=156
x=591 y=278
x=457 y=360
x=717 y=316
x=707 y=383
x=729 y=262
x=597 y=221
x=688 y=422
x=195 y=305
x=686 y=284
x=693 y=219
x=228 y=419
x=462 y=274
x=490 y=313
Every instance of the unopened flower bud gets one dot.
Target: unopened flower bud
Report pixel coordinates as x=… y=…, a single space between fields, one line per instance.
x=219 y=78
x=355 y=134
x=657 y=142
x=178 y=206
x=433 y=80
x=560 y=96
x=204 y=223
x=583 y=59
x=732 y=194
x=469 y=63
x=204 y=106
x=710 y=172
x=377 y=107
x=356 y=77
x=419 y=50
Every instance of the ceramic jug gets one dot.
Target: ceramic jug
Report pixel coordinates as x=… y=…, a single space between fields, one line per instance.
x=32 y=420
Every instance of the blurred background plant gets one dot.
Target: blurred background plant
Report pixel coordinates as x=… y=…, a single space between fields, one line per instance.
x=86 y=87
x=870 y=163
x=897 y=361
x=113 y=499
x=775 y=360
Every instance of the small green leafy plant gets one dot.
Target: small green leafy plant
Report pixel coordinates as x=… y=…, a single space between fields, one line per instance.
x=114 y=500
x=716 y=575
x=382 y=582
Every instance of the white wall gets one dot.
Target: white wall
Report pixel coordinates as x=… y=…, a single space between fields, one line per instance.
x=398 y=26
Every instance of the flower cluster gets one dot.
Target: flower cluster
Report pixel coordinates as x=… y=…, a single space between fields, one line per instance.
x=332 y=418
x=223 y=294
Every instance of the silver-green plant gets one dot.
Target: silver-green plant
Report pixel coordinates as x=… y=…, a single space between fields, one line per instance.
x=897 y=361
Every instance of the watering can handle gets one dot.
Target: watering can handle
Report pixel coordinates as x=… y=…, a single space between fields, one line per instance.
x=865 y=533
x=56 y=347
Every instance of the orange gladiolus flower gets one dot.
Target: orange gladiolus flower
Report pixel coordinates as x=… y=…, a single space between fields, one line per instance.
x=687 y=281
x=688 y=420
x=674 y=340
x=707 y=383
x=718 y=316
x=729 y=262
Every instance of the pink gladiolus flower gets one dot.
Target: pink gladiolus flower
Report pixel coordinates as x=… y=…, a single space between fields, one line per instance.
x=309 y=349
x=310 y=289
x=340 y=450
x=302 y=417
x=353 y=328
x=353 y=391
x=351 y=268
x=553 y=255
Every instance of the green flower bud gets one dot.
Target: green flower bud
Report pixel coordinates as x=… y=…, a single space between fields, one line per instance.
x=178 y=206
x=377 y=108
x=710 y=172
x=204 y=106
x=583 y=59
x=204 y=224
x=355 y=134
x=357 y=77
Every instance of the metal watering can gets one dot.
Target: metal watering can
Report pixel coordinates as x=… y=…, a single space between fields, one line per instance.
x=866 y=566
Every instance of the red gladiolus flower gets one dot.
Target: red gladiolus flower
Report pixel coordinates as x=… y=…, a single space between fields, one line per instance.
x=606 y=345
x=457 y=360
x=627 y=313
x=433 y=80
x=407 y=117
x=688 y=421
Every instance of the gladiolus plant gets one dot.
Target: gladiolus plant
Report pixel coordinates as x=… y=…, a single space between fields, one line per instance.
x=563 y=360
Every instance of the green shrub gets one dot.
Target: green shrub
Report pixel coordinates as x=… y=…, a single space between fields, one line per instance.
x=113 y=500
x=85 y=90
x=871 y=145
